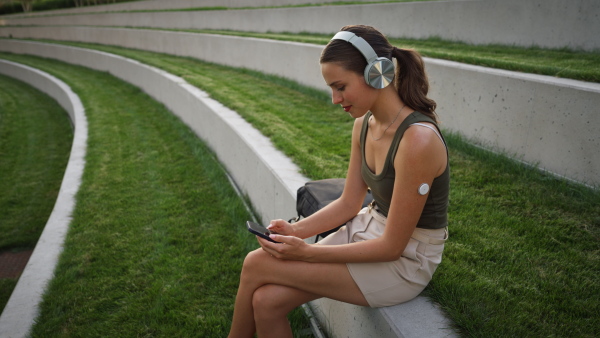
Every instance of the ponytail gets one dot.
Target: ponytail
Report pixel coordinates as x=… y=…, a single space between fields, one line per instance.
x=412 y=83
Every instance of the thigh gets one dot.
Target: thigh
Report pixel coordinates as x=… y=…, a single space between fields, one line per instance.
x=331 y=280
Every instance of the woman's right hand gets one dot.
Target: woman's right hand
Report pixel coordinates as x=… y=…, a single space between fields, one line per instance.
x=281 y=227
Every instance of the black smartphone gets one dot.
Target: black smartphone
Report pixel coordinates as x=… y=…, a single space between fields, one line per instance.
x=259 y=230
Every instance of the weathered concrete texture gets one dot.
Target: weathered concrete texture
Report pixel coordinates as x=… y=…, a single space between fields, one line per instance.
x=416 y=318
x=545 y=23
x=261 y=171
x=291 y=60
x=542 y=120
x=22 y=307
x=157 y=5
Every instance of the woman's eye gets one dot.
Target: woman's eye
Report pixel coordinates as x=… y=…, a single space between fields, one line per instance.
x=341 y=89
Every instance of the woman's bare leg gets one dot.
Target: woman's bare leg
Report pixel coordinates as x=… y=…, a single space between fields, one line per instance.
x=272 y=303
x=313 y=280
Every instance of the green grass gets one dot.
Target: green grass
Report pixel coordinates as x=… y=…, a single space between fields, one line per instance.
x=523 y=256
x=157 y=239
x=287 y=114
x=35 y=140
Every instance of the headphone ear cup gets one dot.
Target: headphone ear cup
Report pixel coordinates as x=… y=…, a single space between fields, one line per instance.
x=379 y=73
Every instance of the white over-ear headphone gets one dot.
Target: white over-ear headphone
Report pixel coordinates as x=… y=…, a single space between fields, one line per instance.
x=379 y=72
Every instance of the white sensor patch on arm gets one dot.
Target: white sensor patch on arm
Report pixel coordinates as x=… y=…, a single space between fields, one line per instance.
x=423 y=189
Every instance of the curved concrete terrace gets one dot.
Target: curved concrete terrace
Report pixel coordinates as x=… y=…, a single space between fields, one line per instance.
x=22 y=307
x=541 y=120
x=156 y=5
x=545 y=23
x=250 y=158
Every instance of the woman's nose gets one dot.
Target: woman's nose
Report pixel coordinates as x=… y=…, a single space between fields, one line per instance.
x=336 y=98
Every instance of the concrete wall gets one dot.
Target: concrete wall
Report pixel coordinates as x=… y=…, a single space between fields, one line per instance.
x=155 y=5
x=266 y=175
x=541 y=120
x=22 y=307
x=546 y=23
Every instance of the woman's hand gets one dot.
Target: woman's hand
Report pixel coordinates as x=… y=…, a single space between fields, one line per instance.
x=288 y=248
x=281 y=227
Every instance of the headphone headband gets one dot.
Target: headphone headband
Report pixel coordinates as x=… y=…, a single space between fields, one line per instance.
x=359 y=43
x=379 y=72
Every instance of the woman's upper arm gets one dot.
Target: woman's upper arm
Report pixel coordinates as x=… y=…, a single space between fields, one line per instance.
x=420 y=158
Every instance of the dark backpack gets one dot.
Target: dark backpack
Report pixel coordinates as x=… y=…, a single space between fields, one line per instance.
x=314 y=195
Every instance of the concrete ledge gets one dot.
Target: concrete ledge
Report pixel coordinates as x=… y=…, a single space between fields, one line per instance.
x=542 y=120
x=22 y=307
x=546 y=23
x=261 y=171
x=156 y=5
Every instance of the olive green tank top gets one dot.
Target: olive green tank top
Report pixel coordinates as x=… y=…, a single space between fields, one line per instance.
x=435 y=212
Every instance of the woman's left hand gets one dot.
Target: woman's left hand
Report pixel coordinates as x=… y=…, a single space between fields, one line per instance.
x=289 y=248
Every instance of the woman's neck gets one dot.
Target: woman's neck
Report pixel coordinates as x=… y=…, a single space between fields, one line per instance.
x=387 y=107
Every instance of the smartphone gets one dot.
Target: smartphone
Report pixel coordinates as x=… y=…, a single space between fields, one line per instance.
x=260 y=231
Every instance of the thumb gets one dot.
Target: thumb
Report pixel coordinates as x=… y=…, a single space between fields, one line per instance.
x=281 y=238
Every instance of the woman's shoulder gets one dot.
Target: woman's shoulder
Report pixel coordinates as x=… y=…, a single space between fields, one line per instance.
x=422 y=144
x=422 y=137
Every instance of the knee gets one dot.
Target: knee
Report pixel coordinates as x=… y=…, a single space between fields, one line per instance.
x=268 y=303
x=252 y=265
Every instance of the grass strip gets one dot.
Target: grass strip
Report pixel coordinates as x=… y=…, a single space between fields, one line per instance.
x=563 y=62
x=35 y=140
x=157 y=239
x=523 y=257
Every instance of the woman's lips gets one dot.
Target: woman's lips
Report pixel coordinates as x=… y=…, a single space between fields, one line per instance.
x=347 y=108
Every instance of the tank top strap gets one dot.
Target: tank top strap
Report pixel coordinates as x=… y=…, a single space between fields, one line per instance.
x=363 y=131
x=414 y=117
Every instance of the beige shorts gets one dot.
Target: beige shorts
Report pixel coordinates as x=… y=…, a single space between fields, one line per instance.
x=391 y=283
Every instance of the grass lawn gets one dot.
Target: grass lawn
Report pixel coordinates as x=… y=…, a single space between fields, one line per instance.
x=35 y=141
x=158 y=238
x=523 y=255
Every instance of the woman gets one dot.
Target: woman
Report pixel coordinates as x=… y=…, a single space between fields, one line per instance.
x=387 y=253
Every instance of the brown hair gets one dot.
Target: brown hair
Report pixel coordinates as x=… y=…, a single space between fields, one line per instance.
x=410 y=80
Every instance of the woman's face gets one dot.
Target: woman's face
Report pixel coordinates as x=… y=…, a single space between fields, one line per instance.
x=348 y=89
